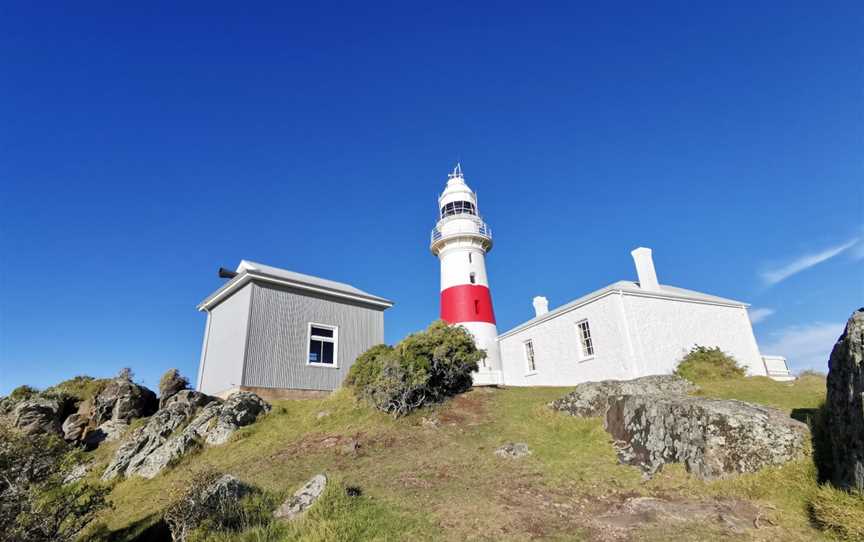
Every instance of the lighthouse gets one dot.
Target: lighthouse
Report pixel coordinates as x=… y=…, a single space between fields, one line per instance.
x=461 y=240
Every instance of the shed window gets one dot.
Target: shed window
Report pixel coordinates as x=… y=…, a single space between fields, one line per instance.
x=584 y=331
x=322 y=344
x=529 y=356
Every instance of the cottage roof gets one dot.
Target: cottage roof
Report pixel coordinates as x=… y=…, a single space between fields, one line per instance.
x=248 y=271
x=629 y=287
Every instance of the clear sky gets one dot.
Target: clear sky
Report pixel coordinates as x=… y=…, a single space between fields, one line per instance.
x=142 y=147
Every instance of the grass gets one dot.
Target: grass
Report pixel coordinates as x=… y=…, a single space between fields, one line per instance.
x=423 y=481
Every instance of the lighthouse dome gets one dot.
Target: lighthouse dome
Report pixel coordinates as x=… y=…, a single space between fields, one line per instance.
x=457 y=198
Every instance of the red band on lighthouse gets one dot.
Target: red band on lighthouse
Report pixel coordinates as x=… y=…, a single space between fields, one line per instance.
x=467 y=303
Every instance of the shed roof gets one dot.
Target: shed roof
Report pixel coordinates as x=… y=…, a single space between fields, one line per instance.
x=631 y=288
x=248 y=271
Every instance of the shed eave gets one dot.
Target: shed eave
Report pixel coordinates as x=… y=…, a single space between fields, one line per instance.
x=243 y=278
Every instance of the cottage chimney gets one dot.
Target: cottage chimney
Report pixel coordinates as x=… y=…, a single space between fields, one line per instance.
x=541 y=305
x=645 y=269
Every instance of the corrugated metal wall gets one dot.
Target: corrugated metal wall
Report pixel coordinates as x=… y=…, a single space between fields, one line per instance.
x=222 y=364
x=276 y=347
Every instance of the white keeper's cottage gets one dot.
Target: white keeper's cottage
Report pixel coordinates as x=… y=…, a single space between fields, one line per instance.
x=627 y=330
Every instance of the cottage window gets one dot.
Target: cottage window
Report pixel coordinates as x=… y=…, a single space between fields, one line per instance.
x=529 y=355
x=585 y=340
x=322 y=345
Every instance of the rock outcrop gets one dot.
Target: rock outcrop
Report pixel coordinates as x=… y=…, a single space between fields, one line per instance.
x=75 y=426
x=302 y=499
x=845 y=405
x=592 y=398
x=151 y=448
x=41 y=414
x=170 y=384
x=713 y=438
x=123 y=400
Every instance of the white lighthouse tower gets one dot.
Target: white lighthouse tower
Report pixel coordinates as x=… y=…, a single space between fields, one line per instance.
x=461 y=240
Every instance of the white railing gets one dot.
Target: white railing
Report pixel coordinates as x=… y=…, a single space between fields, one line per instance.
x=474 y=226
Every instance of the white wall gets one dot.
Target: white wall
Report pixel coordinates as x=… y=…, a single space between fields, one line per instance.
x=223 y=354
x=664 y=330
x=557 y=348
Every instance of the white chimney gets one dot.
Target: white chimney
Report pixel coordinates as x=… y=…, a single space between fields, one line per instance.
x=645 y=269
x=541 y=305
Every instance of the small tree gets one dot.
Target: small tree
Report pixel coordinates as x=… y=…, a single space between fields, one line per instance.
x=703 y=363
x=126 y=373
x=423 y=368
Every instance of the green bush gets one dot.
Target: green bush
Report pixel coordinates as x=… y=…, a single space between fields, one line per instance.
x=838 y=512
x=703 y=363
x=423 y=368
x=81 y=388
x=36 y=503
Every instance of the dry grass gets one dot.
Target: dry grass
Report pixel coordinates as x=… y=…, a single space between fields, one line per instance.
x=428 y=481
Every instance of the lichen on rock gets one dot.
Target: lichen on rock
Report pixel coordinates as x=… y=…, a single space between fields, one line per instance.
x=713 y=438
x=592 y=398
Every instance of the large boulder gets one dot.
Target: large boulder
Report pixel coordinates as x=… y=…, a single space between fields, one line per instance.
x=123 y=400
x=75 y=427
x=239 y=410
x=152 y=448
x=714 y=438
x=592 y=398
x=845 y=405
x=144 y=440
x=41 y=414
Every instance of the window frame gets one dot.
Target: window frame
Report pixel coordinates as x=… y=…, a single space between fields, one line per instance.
x=530 y=360
x=585 y=343
x=334 y=340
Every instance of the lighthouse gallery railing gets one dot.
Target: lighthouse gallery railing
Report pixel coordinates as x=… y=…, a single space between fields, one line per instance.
x=475 y=226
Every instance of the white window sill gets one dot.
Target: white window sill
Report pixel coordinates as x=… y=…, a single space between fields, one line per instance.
x=322 y=365
x=532 y=373
x=589 y=358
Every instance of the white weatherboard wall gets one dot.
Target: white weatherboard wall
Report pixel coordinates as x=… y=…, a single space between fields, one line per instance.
x=557 y=348
x=664 y=330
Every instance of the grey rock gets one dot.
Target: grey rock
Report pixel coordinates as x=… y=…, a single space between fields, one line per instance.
x=152 y=448
x=123 y=400
x=845 y=405
x=109 y=431
x=714 y=438
x=322 y=414
x=143 y=441
x=302 y=499
x=513 y=450
x=192 y=397
x=592 y=398
x=76 y=473
x=171 y=383
x=40 y=414
x=75 y=426
x=239 y=410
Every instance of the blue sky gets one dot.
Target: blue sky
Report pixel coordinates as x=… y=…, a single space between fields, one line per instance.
x=141 y=147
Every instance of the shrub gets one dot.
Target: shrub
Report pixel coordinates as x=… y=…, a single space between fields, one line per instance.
x=423 y=368
x=81 y=388
x=703 y=363
x=23 y=392
x=207 y=504
x=838 y=512
x=170 y=383
x=35 y=503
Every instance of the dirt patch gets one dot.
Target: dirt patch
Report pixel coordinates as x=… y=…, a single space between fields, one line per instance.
x=355 y=444
x=465 y=409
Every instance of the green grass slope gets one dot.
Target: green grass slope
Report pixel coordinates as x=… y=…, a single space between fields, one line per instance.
x=433 y=475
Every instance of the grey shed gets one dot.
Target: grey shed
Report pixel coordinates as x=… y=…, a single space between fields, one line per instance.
x=284 y=334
